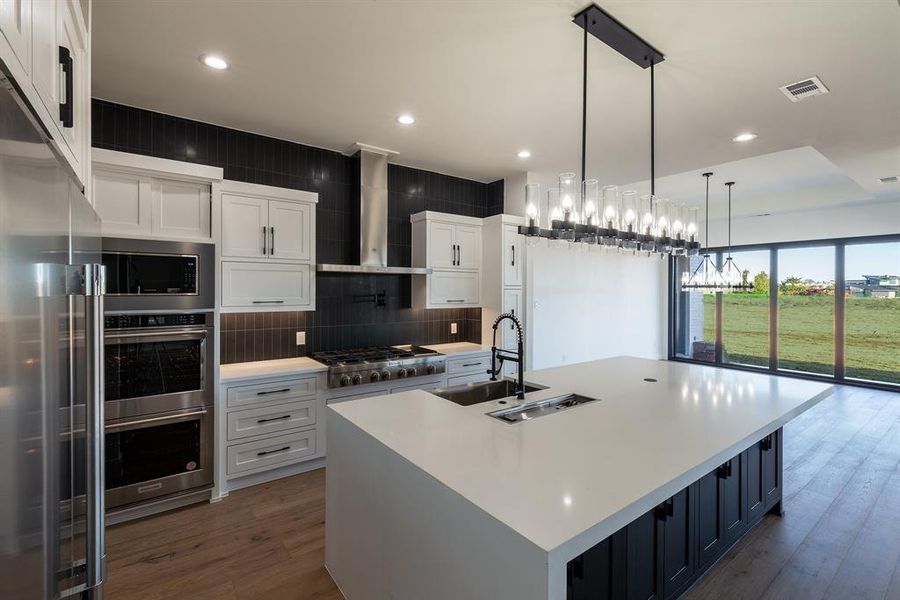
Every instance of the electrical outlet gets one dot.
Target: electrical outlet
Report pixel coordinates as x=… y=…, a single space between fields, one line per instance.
x=301 y=338
x=452 y=328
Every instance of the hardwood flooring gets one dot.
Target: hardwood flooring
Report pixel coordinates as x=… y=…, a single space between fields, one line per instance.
x=839 y=538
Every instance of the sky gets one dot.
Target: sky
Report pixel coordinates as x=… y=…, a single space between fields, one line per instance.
x=818 y=263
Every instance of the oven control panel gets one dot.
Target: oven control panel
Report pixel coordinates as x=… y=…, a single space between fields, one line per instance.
x=166 y=320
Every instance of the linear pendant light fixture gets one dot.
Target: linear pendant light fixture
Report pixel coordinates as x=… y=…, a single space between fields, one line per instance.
x=647 y=223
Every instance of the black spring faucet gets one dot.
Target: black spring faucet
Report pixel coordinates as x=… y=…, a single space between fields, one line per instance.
x=501 y=356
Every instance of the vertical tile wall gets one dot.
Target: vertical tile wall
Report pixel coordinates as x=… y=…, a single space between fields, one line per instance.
x=342 y=319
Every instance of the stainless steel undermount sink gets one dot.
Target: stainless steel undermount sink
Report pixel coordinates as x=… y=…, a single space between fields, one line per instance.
x=540 y=408
x=482 y=391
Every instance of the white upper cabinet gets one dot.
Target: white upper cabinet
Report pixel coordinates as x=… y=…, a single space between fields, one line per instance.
x=450 y=245
x=245 y=226
x=73 y=90
x=45 y=71
x=147 y=197
x=15 y=23
x=513 y=258
x=268 y=248
x=266 y=223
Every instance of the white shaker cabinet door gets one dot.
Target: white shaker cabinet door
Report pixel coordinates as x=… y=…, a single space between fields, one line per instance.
x=45 y=70
x=468 y=246
x=245 y=226
x=181 y=209
x=290 y=230
x=265 y=285
x=441 y=245
x=455 y=288
x=15 y=23
x=123 y=201
x=71 y=37
x=512 y=256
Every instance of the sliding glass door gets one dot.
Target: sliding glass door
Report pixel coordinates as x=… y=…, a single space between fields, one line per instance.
x=827 y=310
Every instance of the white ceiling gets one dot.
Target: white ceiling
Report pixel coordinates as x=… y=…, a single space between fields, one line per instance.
x=486 y=79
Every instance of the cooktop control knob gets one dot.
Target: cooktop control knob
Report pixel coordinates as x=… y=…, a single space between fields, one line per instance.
x=345 y=380
x=430 y=369
x=385 y=375
x=411 y=371
x=401 y=373
x=374 y=376
x=357 y=379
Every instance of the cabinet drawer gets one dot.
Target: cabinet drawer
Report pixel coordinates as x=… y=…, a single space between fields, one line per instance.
x=478 y=363
x=265 y=285
x=271 y=392
x=270 y=453
x=422 y=385
x=470 y=378
x=270 y=419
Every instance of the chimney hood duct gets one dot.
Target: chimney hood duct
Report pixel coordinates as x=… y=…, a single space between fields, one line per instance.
x=373 y=217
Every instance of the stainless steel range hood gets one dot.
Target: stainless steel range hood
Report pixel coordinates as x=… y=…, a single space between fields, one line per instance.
x=373 y=217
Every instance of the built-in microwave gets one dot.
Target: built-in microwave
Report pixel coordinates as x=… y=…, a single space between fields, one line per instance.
x=157 y=275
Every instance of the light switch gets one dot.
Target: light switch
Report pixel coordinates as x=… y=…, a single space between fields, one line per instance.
x=301 y=338
x=452 y=328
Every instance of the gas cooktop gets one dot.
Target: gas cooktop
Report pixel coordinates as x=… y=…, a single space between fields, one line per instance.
x=378 y=363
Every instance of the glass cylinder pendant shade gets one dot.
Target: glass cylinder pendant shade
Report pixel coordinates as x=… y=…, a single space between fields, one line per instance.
x=676 y=214
x=568 y=194
x=610 y=217
x=630 y=210
x=591 y=201
x=648 y=221
x=663 y=223
x=692 y=215
x=532 y=204
x=554 y=210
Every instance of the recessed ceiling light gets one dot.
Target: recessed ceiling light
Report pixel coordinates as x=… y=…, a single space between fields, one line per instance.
x=744 y=137
x=214 y=62
x=524 y=154
x=406 y=119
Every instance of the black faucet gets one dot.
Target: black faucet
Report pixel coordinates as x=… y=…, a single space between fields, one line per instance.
x=505 y=355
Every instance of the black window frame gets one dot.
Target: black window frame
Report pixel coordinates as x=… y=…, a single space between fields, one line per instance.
x=839 y=377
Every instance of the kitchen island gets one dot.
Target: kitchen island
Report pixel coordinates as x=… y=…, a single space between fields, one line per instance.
x=633 y=495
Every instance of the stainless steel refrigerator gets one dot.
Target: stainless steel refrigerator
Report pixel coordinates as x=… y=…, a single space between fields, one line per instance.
x=51 y=368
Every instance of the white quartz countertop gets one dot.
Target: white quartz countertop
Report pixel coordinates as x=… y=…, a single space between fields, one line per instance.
x=568 y=480
x=269 y=368
x=458 y=348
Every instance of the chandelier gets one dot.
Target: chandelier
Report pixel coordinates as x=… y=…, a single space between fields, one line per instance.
x=578 y=210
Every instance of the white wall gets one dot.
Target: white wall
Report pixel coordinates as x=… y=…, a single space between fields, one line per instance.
x=590 y=304
x=844 y=221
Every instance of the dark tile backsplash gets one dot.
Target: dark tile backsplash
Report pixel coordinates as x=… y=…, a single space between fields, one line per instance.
x=338 y=322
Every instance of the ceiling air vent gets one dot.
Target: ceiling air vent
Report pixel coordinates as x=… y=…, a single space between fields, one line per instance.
x=802 y=90
x=891 y=179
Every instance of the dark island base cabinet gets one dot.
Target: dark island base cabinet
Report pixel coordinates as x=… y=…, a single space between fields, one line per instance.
x=661 y=553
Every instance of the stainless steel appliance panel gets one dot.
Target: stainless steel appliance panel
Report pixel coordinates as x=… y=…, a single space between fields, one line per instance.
x=49 y=338
x=153 y=275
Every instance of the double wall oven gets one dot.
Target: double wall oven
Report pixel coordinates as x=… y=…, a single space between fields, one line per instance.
x=158 y=374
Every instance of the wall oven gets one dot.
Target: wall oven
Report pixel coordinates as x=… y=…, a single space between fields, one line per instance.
x=157 y=363
x=152 y=275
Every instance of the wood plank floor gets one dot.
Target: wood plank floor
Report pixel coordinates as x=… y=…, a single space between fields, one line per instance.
x=839 y=538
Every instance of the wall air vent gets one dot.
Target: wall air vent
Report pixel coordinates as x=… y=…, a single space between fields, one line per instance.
x=801 y=90
x=891 y=179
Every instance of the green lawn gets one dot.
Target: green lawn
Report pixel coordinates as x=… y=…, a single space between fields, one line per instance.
x=805 y=336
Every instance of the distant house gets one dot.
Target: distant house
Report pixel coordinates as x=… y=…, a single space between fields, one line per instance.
x=874 y=286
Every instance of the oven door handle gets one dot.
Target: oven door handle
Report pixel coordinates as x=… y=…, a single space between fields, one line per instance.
x=138 y=422
x=179 y=334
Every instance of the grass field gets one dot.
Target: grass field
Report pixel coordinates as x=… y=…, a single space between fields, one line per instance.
x=806 y=333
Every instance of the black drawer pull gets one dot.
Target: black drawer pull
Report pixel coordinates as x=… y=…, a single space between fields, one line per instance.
x=67 y=108
x=281 y=391
x=724 y=471
x=268 y=302
x=471 y=364
x=267 y=452
x=766 y=443
x=269 y=420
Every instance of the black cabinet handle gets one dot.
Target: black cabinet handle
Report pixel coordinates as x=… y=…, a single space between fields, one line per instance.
x=458 y=255
x=471 y=364
x=267 y=452
x=513 y=247
x=272 y=242
x=661 y=511
x=724 y=471
x=269 y=420
x=273 y=392
x=67 y=108
x=670 y=507
x=766 y=443
x=265 y=248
